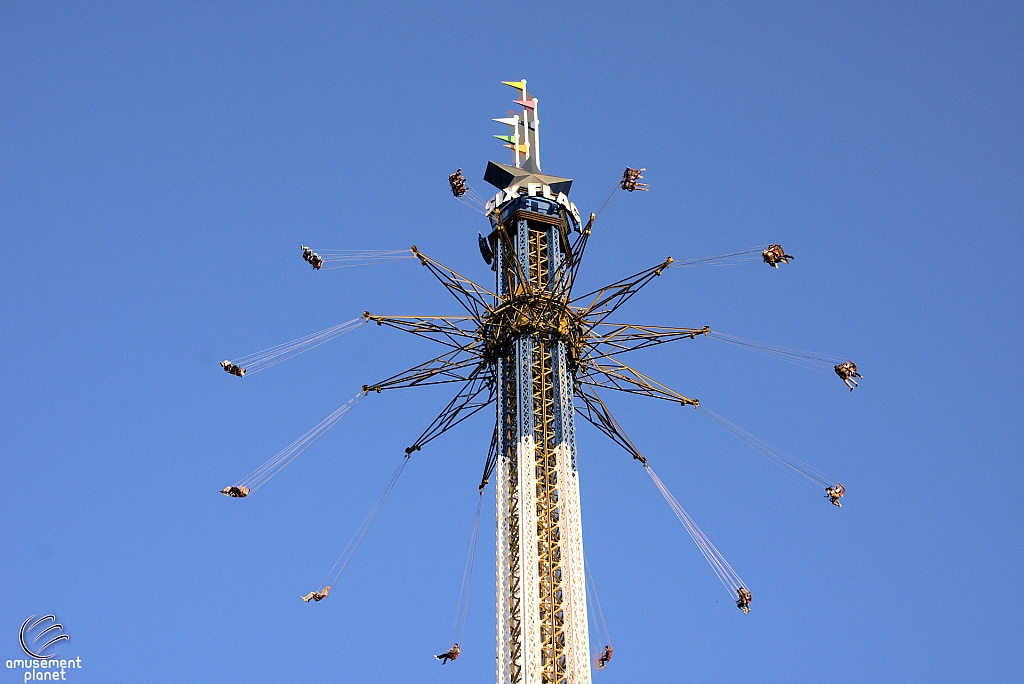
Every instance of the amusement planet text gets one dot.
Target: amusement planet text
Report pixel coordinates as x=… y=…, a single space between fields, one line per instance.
x=45 y=670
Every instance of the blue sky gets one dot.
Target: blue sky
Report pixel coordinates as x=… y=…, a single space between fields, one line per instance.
x=162 y=162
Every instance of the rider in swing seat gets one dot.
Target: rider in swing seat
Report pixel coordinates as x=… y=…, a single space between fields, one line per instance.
x=847 y=372
x=232 y=368
x=629 y=180
x=312 y=257
x=775 y=255
x=458 y=183
x=833 y=494
x=451 y=654
x=743 y=602
x=316 y=595
x=235 y=492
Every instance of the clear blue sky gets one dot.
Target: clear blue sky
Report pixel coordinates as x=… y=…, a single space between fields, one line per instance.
x=160 y=163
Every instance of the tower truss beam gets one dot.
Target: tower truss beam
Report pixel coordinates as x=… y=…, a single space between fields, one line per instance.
x=617 y=338
x=463 y=405
x=457 y=332
x=616 y=375
x=606 y=300
x=474 y=298
x=458 y=365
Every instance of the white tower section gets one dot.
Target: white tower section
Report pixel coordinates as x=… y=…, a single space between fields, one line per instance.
x=541 y=591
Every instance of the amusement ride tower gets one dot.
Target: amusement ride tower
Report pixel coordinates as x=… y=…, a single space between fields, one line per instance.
x=540 y=353
x=533 y=337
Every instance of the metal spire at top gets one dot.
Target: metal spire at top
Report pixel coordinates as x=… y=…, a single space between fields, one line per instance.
x=524 y=140
x=524 y=130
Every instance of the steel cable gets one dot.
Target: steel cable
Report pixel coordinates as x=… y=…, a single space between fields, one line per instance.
x=597 y=602
x=272 y=467
x=351 y=258
x=608 y=200
x=462 y=606
x=726 y=575
x=745 y=256
x=357 y=538
x=804 y=472
x=807 y=359
x=261 y=360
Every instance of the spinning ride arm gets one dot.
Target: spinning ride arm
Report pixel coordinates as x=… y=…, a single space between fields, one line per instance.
x=622 y=378
x=459 y=365
x=597 y=414
x=609 y=298
x=471 y=296
x=450 y=331
x=463 y=405
x=625 y=338
x=492 y=459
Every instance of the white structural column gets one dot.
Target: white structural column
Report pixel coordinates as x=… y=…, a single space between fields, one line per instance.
x=541 y=587
x=574 y=587
x=526 y=456
x=509 y=575
x=507 y=498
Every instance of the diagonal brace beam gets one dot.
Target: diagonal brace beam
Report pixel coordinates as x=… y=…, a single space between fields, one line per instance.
x=476 y=394
x=472 y=297
x=456 y=332
x=594 y=411
x=459 y=365
x=621 y=338
x=610 y=297
x=618 y=376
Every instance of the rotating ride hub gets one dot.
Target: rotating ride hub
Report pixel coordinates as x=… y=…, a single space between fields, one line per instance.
x=530 y=237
